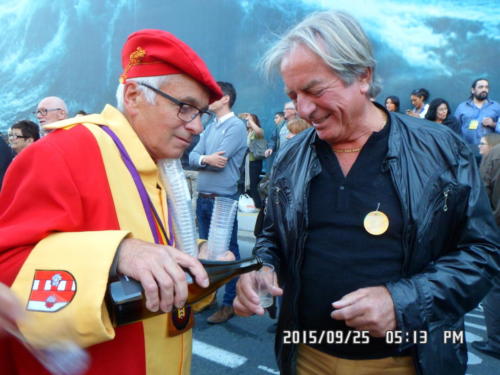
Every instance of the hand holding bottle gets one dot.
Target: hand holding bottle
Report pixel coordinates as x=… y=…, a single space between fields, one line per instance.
x=125 y=298
x=158 y=269
x=247 y=301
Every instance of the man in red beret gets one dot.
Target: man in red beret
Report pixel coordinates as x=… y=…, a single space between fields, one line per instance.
x=86 y=204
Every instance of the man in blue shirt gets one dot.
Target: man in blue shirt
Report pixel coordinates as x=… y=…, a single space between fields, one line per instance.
x=219 y=155
x=478 y=116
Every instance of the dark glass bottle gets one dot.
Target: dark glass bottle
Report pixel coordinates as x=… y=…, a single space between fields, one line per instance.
x=126 y=302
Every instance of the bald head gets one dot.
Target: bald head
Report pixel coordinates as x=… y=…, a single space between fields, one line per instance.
x=51 y=109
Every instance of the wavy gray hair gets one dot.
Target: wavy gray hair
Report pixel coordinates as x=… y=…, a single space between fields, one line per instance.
x=150 y=95
x=337 y=38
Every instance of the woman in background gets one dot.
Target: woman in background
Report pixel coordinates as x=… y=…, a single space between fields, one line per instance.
x=253 y=166
x=418 y=99
x=487 y=142
x=392 y=103
x=296 y=125
x=439 y=111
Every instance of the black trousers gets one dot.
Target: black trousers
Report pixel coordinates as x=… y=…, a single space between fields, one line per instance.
x=255 y=168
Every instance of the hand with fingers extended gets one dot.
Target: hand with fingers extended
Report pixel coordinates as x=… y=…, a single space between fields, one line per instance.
x=159 y=269
x=367 y=309
x=247 y=301
x=216 y=159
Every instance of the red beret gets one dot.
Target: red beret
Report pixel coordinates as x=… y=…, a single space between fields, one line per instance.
x=149 y=52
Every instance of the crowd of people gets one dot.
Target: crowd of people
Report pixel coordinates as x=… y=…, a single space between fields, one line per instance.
x=379 y=224
x=473 y=118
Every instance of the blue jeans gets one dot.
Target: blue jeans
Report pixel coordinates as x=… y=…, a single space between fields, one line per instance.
x=204 y=207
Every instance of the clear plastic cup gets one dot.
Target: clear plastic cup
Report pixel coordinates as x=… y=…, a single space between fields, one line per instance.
x=221 y=226
x=265 y=278
x=179 y=202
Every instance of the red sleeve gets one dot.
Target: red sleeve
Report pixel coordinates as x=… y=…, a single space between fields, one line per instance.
x=57 y=184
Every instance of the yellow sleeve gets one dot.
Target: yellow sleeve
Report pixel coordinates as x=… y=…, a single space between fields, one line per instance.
x=62 y=285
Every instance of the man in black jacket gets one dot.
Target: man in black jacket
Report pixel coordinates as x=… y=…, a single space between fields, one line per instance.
x=377 y=223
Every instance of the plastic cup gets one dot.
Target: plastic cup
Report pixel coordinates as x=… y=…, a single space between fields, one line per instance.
x=221 y=226
x=179 y=202
x=265 y=278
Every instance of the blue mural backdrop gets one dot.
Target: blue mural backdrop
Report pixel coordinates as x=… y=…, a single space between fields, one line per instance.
x=71 y=48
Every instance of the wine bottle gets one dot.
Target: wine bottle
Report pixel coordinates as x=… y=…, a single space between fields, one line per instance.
x=127 y=304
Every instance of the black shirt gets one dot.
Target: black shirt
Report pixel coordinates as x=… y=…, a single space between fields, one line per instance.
x=340 y=256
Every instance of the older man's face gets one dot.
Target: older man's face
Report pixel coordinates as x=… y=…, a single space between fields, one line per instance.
x=321 y=97
x=290 y=111
x=158 y=126
x=49 y=110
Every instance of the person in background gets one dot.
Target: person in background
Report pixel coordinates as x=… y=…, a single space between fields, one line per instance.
x=290 y=114
x=376 y=223
x=191 y=172
x=490 y=173
x=253 y=165
x=218 y=156
x=274 y=142
x=487 y=143
x=22 y=134
x=49 y=110
x=392 y=103
x=86 y=205
x=418 y=100
x=478 y=115
x=297 y=125
x=6 y=156
x=439 y=111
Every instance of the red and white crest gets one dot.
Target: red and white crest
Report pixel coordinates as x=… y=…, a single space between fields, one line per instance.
x=51 y=290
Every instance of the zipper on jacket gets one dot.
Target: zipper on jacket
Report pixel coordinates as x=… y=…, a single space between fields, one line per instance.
x=277 y=191
x=441 y=203
x=389 y=164
x=445 y=193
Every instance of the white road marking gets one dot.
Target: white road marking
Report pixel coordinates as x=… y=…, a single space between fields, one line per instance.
x=474 y=359
x=269 y=370
x=477 y=326
x=480 y=316
x=218 y=355
x=469 y=337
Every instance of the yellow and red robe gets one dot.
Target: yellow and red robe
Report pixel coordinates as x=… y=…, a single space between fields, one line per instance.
x=67 y=202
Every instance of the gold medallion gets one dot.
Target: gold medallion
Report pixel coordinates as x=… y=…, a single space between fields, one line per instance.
x=376 y=222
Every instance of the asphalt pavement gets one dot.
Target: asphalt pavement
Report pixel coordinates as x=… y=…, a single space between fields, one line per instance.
x=243 y=345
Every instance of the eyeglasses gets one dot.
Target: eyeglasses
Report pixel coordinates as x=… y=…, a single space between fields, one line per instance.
x=44 y=111
x=187 y=112
x=15 y=136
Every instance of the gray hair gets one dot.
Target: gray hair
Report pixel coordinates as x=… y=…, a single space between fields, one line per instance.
x=150 y=95
x=337 y=38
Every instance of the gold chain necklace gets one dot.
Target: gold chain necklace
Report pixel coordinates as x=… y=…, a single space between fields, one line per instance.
x=346 y=150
